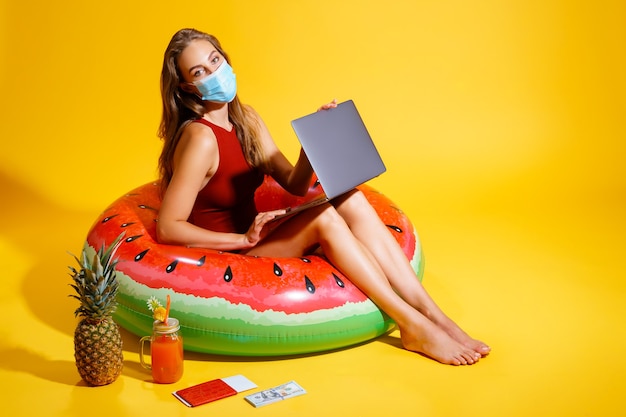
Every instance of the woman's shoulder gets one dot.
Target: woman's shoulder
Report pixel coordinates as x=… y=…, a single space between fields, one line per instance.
x=197 y=136
x=196 y=128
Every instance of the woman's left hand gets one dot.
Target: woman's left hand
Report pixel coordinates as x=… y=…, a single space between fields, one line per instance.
x=330 y=105
x=258 y=229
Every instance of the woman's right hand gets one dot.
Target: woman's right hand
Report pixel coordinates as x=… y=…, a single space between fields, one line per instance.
x=327 y=106
x=257 y=230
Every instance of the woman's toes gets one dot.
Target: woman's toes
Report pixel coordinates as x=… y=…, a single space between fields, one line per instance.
x=484 y=349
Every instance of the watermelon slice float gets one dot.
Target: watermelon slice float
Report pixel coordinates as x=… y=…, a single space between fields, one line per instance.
x=241 y=305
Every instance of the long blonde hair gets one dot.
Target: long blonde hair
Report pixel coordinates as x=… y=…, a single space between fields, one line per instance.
x=181 y=107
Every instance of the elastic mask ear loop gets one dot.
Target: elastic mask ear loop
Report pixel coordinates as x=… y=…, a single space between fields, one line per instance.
x=181 y=90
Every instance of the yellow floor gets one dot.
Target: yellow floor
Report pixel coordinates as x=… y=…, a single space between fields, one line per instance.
x=542 y=283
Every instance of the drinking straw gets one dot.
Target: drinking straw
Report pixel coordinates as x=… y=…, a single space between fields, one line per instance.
x=167 y=309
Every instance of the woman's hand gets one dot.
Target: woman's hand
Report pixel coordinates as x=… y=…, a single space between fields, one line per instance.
x=330 y=105
x=257 y=230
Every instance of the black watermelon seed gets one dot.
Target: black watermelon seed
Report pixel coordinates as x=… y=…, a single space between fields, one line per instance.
x=106 y=219
x=306 y=260
x=131 y=238
x=127 y=224
x=277 y=271
x=395 y=228
x=140 y=255
x=338 y=281
x=309 y=285
x=201 y=261
x=228 y=274
x=171 y=267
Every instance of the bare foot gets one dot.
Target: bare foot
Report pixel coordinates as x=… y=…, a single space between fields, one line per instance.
x=429 y=339
x=429 y=309
x=455 y=332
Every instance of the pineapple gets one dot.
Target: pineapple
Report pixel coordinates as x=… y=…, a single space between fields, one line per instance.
x=97 y=339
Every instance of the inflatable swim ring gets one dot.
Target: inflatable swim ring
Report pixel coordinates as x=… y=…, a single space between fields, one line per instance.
x=234 y=304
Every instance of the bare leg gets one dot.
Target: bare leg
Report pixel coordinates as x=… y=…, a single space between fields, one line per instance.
x=375 y=236
x=325 y=226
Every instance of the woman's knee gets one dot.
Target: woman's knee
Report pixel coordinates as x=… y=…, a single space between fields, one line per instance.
x=355 y=208
x=351 y=200
x=326 y=215
x=321 y=220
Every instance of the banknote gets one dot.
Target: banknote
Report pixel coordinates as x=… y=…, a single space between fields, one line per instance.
x=272 y=395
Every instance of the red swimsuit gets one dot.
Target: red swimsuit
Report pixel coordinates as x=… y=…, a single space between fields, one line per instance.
x=226 y=203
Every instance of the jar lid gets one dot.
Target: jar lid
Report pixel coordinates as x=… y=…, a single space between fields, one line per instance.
x=171 y=326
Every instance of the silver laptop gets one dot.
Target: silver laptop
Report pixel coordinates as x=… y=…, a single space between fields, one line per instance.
x=340 y=150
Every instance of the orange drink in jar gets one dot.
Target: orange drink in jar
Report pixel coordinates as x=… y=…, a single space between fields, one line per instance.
x=166 y=352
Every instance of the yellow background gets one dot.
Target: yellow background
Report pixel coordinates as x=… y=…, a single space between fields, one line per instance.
x=501 y=124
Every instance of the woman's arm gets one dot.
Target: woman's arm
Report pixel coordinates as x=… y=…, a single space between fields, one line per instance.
x=295 y=179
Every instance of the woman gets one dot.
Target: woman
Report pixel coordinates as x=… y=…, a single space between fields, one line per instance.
x=216 y=153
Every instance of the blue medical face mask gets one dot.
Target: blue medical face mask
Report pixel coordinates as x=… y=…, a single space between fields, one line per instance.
x=219 y=86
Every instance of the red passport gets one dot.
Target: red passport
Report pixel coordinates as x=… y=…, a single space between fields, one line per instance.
x=213 y=390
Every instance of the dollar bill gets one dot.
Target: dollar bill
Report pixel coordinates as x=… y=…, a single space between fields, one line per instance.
x=272 y=395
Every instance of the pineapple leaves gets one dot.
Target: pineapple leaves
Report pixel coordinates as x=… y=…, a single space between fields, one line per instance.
x=95 y=282
x=97 y=265
x=106 y=255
